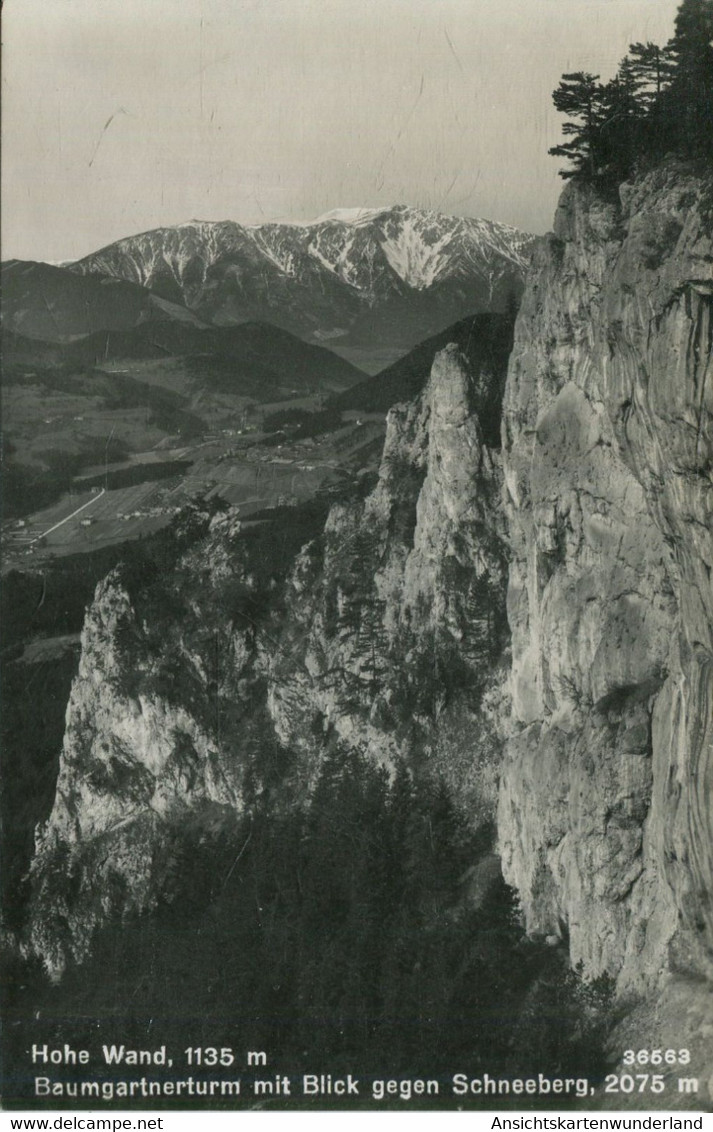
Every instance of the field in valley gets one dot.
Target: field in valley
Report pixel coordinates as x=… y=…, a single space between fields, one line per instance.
x=249 y=471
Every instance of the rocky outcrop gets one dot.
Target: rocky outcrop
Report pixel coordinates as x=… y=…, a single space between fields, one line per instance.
x=605 y=824
x=384 y=636
x=136 y=761
x=397 y=616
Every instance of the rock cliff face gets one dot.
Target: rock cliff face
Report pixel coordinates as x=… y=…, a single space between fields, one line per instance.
x=605 y=821
x=384 y=636
x=398 y=615
x=135 y=762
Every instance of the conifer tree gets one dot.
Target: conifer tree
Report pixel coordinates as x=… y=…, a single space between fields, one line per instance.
x=661 y=101
x=688 y=104
x=652 y=68
x=693 y=35
x=620 y=121
x=579 y=95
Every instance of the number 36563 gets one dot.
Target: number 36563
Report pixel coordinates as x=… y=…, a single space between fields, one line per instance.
x=656 y=1057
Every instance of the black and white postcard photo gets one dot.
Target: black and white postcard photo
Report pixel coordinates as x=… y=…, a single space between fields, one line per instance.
x=357 y=558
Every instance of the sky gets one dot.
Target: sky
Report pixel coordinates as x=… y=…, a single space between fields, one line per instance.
x=123 y=115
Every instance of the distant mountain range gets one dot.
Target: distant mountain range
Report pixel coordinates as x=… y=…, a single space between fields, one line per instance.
x=40 y=300
x=355 y=280
x=52 y=315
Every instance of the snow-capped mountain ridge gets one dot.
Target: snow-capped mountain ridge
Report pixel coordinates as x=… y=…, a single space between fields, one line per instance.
x=327 y=275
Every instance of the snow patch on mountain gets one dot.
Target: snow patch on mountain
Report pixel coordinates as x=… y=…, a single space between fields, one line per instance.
x=276 y=253
x=413 y=259
x=348 y=216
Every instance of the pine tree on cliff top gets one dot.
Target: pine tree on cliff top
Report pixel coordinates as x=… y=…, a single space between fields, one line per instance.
x=688 y=104
x=694 y=28
x=652 y=67
x=660 y=101
x=578 y=96
x=621 y=117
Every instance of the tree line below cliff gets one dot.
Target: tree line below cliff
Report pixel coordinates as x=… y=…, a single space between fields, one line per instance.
x=343 y=936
